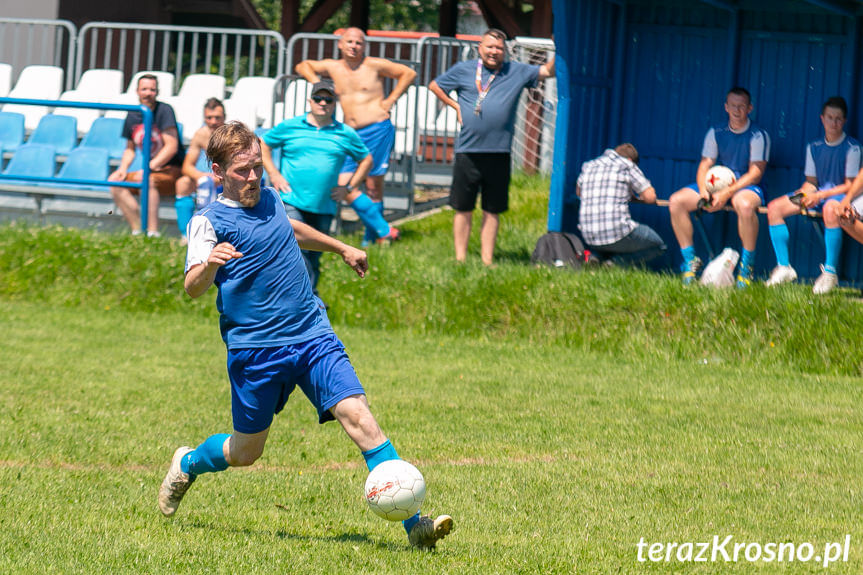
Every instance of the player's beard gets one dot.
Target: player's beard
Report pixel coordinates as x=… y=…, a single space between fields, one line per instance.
x=249 y=196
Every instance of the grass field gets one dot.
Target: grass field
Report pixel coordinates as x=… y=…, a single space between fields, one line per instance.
x=559 y=417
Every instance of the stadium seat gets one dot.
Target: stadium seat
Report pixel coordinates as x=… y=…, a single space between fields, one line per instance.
x=57 y=131
x=105 y=133
x=5 y=79
x=164 y=79
x=189 y=113
x=125 y=99
x=103 y=82
x=84 y=163
x=37 y=83
x=35 y=160
x=11 y=130
x=252 y=99
x=200 y=87
x=84 y=116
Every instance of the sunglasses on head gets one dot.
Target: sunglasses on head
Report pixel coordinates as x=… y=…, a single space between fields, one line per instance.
x=323 y=99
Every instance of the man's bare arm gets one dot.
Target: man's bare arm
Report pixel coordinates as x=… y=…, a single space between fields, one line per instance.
x=312 y=70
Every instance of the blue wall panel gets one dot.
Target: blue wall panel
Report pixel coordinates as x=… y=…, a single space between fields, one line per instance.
x=656 y=73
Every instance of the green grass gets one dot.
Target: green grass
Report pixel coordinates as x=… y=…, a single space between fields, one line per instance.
x=559 y=417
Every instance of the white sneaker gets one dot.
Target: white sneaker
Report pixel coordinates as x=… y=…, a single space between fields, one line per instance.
x=175 y=484
x=825 y=282
x=781 y=275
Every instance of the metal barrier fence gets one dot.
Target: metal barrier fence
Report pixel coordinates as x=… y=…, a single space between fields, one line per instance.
x=27 y=42
x=180 y=50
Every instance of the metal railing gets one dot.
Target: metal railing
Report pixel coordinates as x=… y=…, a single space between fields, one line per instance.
x=180 y=50
x=28 y=42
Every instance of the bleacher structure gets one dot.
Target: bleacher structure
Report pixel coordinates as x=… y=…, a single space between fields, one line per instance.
x=248 y=70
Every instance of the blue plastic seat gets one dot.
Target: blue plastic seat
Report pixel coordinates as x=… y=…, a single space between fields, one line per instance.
x=84 y=163
x=58 y=131
x=11 y=130
x=35 y=160
x=105 y=133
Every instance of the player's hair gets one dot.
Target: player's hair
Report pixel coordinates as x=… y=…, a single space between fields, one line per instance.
x=496 y=33
x=229 y=140
x=837 y=102
x=148 y=77
x=213 y=103
x=357 y=28
x=740 y=91
x=627 y=150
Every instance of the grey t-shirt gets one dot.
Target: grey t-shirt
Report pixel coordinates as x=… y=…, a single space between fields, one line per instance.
x=491 y=130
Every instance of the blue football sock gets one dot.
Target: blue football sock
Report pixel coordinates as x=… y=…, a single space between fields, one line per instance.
x=377 y=455
x=747 y=258
x=208 y=457
x=370 y=234
x=365 y=209
x=185 y=207
x=386 y=452
x=688 y=254
x=833 y=247
x=779 y=236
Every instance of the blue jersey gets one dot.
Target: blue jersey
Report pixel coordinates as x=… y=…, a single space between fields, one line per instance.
x=736 y=150
x=831 y=164
x=265 y=297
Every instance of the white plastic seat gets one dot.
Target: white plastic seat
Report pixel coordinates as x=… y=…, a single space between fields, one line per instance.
x=201 y=87
x=36 y=83
x=255 y=92
x=5 y=79
x=101 y=82
x=85 y=116
x=240 y=110
x=127 y=99
x=165 y=80
x=189 y=113
x=296 y=97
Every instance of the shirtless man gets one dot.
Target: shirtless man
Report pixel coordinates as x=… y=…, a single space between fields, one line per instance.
x=359 y=82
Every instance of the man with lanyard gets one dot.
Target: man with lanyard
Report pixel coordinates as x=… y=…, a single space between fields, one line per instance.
x=832 y=163
x=488 y=90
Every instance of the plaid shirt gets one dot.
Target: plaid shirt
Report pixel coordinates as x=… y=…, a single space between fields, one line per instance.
x=607 y=185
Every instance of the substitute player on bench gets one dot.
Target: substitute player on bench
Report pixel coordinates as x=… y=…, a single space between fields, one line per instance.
x=744 y=148
x=832 y=162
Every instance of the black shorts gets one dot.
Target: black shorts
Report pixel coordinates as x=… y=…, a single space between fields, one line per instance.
x=485 y=174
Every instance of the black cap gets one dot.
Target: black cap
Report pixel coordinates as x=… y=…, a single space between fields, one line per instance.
x=325 y=85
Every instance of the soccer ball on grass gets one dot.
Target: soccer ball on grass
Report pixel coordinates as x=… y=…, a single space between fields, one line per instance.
x=395 y=490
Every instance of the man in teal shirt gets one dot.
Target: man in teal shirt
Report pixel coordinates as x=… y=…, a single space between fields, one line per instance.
x=313 y=149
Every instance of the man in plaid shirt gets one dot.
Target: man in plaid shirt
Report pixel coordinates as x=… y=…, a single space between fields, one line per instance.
x=606 y=185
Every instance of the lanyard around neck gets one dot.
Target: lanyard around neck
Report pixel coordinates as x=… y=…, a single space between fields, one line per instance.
x=482 y=92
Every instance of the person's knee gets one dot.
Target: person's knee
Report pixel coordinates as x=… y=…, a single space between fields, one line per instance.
x=184 y=187
x=244 y=455
x=679 y=201
x=831 y=220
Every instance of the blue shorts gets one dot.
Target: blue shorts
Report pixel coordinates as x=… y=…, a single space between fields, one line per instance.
x=758 y=191
x=263 y=378
x=379 y=139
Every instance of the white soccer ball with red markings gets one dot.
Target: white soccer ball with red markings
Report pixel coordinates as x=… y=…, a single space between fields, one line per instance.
x=718 y=178
x=395 y=490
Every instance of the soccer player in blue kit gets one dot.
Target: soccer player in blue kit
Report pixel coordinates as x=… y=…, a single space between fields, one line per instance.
x=832 y=163
x=276 y=331
x=743 y=147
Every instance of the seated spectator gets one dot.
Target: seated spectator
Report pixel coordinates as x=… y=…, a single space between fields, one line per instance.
x=832 y=162
x=606 y=185
x=166 y=158
x=196 y=189
x=849 y=211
